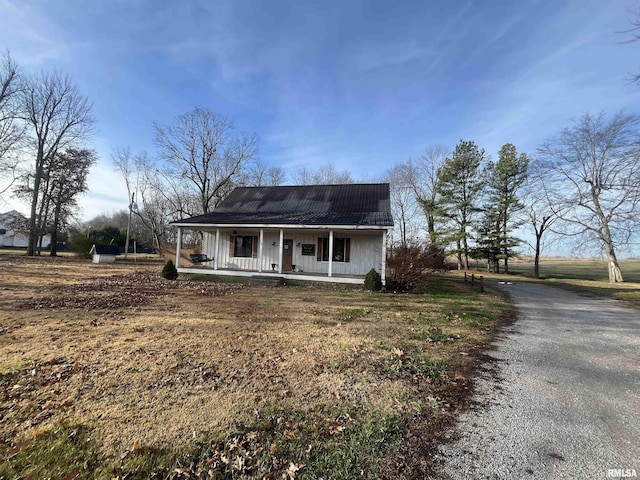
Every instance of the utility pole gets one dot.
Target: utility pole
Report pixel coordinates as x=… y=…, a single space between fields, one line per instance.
x=126 y=246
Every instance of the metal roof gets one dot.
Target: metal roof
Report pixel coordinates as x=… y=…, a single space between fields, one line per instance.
x=349 y=204
x=105 y=250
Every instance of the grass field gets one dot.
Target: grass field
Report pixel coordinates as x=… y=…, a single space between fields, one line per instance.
x=582 y=275
x=131 y=256
x=577 y=269
x=109 y=371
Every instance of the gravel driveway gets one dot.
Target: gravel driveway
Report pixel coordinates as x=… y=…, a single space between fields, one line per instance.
x=566 y=399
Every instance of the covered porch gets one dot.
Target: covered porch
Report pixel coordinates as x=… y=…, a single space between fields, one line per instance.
x=340 y=255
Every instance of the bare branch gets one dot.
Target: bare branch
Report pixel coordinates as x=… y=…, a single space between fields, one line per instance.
x=58 y=118
x=326 y=174
x=592 y=182
x=202 y=156
x=11 y=130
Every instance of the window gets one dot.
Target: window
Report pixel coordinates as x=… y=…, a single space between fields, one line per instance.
x=243 y=245
x=3 y=231
x=341 y=249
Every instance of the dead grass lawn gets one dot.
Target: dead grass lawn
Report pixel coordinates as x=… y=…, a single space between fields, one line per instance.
x=183 y=369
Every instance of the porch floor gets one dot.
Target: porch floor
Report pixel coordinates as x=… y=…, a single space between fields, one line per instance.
x=309 y=276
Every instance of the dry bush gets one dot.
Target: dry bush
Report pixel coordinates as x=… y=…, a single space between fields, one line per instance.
x=407 y=264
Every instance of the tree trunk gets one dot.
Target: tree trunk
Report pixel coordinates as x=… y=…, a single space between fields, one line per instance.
x=506 y=243
x=431 y=229
x=404 y=231
x=33 y=226
x=54 y=243
x=43 y=215
x=54 y=233
x=536 y=260
x=156 y=241
x=615 y=274
x=466 y=250
x=33 y=221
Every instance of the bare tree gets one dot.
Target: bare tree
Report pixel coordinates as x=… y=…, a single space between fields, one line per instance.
x=422 y=176
x=537 y=213
x=634 y=31
x=11 y=130
x=122 y=159
x=326 y=174
x=404 y=204
x=203 y=157
x=303 y=176
x=144 y=192
x=276 y=176
x=594 y=182
x=67 y=178
x=64 y=177
x=259 y=174
x=58 y=117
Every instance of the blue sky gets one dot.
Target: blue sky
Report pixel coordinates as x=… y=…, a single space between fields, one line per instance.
x=362 y=84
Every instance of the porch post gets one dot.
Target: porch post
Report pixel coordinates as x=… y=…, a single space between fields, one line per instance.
x=178 y=247
x=260 y=250
x=330 y=272
x=280 y=251
x=215 y=255
x=383 y=263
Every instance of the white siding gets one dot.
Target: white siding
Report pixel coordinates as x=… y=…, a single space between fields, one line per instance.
x=365 y=251
x=10 y=238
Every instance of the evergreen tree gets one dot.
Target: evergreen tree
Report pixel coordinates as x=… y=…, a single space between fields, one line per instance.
x=460 y=187
x=488 y=239
x=504 y=179
x=169 y=271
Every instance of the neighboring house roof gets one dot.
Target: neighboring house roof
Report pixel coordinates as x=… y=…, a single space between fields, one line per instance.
x=105 y=250
x=14 y=220
x=350 y=204
x=12 y=215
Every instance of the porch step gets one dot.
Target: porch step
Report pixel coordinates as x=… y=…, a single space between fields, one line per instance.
x=269 y=281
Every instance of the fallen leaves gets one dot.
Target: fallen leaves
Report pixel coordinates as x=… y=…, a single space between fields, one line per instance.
x=34 y=393
x=121 y=291
x=397 y=352
x=199 y=359
x=293 y=469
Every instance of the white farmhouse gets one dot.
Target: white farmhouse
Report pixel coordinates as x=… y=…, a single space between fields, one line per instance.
x=331 y=233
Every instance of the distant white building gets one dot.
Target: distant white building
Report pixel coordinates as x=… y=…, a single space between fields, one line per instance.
x=14 y=231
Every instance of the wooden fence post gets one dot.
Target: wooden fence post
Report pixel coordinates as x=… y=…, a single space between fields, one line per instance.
x=465 y=277
x=481 y=283
x=473 y=277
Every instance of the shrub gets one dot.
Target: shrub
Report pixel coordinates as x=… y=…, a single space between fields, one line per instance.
x=169 y=271
x=80 y=245
x=407 y=264
x=373 y=281
x=434 y=258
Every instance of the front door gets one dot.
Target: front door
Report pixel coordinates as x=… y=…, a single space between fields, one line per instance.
x=287 y=254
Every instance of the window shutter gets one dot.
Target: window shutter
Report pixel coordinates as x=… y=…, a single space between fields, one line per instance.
x=347 y=249
x=254 y=247
x=319 y=257
x=232 y=241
